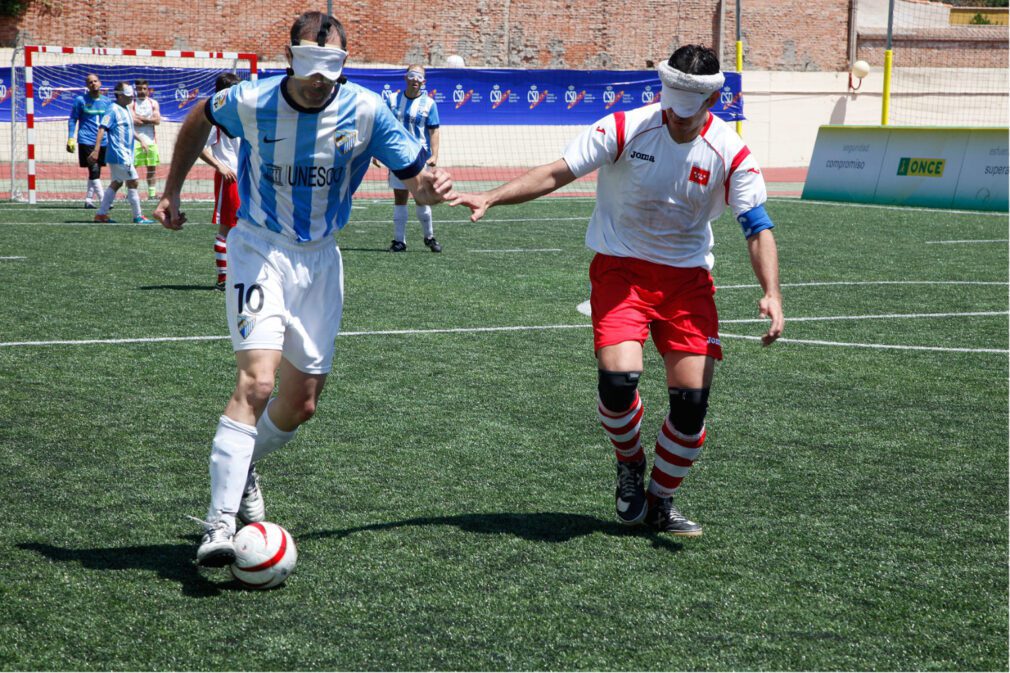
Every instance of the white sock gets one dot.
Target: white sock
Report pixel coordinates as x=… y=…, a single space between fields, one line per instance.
x=424 y=217
x=230 y=455
x=269 y=437
x=89 y=193
x=400 y=223
x=134 y=198
x=95 y=189
x=107 y=198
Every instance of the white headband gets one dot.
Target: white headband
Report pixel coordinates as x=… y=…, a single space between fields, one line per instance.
x=685 y=93
x=308 y=58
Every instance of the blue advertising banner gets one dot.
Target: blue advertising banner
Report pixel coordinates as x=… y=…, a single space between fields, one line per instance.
x=466 y=96
x=538 y=97
x=6 y=93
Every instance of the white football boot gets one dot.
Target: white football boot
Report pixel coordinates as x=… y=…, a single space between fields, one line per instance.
x=216 y=549
x=252 y=508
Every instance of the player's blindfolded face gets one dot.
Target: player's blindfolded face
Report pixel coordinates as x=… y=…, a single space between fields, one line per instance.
x=309 y=59
x=415 y=77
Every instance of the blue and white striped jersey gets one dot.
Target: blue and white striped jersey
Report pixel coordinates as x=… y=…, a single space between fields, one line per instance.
x=299 y=167
x=419 y=115
x=118 y=125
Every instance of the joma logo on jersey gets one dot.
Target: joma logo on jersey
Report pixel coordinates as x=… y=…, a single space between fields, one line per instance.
x=345 y=140
x=699 y=175
x=303 y=176
x=921 y=168
x=646 y=157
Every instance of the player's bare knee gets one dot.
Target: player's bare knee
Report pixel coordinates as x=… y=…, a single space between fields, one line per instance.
x=617 y=389
x=687 y=409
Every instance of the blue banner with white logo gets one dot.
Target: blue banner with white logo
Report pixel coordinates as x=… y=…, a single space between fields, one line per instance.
x=539 y=97
x=465 y=96
x=6 y=93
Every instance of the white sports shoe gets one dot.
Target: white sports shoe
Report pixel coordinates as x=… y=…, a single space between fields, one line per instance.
x=252 y=508
x=216 y=549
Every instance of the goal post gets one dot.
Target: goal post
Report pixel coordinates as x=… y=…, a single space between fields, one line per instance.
x=54 y=75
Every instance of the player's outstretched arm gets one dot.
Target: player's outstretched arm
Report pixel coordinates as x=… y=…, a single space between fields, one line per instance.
x=188 y=145
x=533 y=184
x=764 y=258
x=431 y=186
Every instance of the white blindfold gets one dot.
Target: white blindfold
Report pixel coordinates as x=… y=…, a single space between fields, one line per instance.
x=684 y=93
x=308 y=59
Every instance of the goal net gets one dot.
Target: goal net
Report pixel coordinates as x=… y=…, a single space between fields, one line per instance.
x=950 y=64
x=47 y=79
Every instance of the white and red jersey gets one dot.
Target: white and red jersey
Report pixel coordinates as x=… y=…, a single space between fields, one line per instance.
x=223 y=148
x=656 y=198
x=146 y=108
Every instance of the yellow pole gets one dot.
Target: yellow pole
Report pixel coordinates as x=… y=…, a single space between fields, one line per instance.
x=739 y=68
x=885 y=107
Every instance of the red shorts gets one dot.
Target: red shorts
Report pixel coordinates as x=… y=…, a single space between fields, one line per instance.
x=630 y=297
x=225 y=201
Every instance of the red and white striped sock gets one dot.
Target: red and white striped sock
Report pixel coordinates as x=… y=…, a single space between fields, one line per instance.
x=675 y=454
x=221 y=257
x=623 y=429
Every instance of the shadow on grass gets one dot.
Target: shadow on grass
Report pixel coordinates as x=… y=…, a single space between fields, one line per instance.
x=209 y=287
x=551 y=527
x=173 y=562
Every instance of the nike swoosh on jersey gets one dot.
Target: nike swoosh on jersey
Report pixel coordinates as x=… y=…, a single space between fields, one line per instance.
x=270 y=141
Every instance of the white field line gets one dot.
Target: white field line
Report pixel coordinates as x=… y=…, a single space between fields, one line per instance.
x=871 y=282
x=900 y=347
x=530 y=328
x=521 y=250
x=882 y=207
x=13 y=258
x=984 y=240
x=881 y=316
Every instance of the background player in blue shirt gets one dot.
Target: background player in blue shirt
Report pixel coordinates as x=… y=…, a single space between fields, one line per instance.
x=85 y=115
x=306 y=142
x=418 y=112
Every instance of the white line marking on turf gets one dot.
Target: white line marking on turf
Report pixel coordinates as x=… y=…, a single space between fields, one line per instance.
x=532 y=328
x=871 y=282
x=353 y=221
x=989 y=240
x=882 y=207
x=521 y=250
x=13 y=257
x=812 y=342
x=882 y=316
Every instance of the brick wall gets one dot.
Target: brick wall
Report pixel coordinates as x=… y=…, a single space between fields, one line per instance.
x=778 y=34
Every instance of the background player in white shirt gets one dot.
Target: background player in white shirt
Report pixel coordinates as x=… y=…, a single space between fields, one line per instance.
x=418 y=112
x=221 y=152
x=307 y=140
x=666 y=171
x=146 y=117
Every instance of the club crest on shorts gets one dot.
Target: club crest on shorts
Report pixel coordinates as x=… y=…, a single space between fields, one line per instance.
x=245 y=325
x=345 y=140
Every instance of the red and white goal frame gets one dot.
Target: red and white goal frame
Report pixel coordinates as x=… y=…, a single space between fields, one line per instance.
x=30 y=52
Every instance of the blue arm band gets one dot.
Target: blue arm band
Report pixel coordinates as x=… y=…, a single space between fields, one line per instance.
x=414 y=168
x=755 y=220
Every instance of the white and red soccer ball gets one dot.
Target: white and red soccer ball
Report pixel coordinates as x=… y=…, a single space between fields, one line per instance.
x=265 y=555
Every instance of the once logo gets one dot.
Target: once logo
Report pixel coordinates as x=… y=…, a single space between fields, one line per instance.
x=921 y=168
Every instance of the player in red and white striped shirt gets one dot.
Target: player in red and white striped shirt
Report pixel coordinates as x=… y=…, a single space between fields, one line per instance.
x=666 y=171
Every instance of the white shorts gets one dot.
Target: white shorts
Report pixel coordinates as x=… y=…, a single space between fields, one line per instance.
x=285 y=296
x=122 y=172
x=394 y=182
